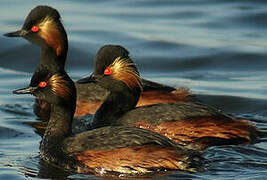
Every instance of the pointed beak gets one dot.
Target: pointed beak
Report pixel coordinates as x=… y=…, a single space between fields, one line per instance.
x=27 y=90
x=89 y=79
x=19 y=33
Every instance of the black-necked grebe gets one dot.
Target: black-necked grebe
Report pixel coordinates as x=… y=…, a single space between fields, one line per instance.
x=183 y=122
x=43 y=27
x=117 y=149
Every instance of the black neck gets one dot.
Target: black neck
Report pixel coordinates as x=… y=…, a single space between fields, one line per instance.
x=49 y=57
x=58 y=128
x=64 y=43
x=116 y=104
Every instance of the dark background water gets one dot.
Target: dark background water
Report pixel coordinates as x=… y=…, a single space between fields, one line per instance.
x=216 y=48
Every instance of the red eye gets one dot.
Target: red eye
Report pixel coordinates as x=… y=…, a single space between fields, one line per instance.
x=107 y=71
x=35 y=28
x=42 y=84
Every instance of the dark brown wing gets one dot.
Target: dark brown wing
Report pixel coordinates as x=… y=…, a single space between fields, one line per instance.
x=137 y=159
x=128 y=150
x=191 y=122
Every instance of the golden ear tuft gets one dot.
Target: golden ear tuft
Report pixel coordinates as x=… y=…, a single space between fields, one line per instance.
x=59 y=86
x=49 y=31
x=46 y=23
x=125 y=70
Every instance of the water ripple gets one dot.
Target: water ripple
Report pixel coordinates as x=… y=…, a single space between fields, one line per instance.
x=216 y=48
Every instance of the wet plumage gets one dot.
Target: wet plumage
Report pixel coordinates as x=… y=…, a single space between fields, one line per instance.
x=119 y=149
x=192 y=124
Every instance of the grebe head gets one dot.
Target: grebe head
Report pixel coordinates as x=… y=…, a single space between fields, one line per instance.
x=43 y=27
x=121 y=73
x=106 y=56
x=55 y=88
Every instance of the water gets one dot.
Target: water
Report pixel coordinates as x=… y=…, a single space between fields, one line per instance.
x=216 y=48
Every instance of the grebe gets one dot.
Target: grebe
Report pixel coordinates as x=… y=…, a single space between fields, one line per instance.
x=189 y=123
x=109 y=149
